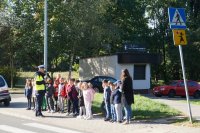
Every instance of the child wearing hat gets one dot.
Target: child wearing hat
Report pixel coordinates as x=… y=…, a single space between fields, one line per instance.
x=112 y=106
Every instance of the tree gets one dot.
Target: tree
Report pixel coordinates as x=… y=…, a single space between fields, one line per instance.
x=76 y=29
x=81 y=29
x=8 y=25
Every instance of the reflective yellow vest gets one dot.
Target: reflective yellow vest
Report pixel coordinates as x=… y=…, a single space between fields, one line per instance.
x=39 y=87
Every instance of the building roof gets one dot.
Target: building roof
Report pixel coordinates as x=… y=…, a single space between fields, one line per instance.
x=130 y=57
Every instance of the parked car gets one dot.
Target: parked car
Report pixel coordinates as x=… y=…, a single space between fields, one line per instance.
x=4 y=92
x=97 y=82
x=176 y=88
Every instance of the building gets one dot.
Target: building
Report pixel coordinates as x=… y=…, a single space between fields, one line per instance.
x=138 y=64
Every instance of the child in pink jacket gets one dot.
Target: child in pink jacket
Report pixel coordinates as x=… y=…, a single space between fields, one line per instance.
x=88 y=95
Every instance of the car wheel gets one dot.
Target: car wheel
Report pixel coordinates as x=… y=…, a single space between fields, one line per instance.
x=6 y=103
x=96 y=89
x=157 y=95
x=171 y=93
x=196 y=95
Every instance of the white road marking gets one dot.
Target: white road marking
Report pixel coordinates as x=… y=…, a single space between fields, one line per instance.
x=51 y=128
x=14 y=129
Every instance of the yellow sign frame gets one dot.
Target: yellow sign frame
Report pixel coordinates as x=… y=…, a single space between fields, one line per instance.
x=179 y=37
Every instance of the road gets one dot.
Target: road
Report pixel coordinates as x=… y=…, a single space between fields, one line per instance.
x=18 y=125
x=19 y=120
x=17 y=95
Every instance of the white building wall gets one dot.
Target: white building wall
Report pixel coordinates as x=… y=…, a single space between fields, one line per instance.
x=91 y=67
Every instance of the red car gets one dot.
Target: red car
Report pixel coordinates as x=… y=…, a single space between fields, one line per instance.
x=176 y=88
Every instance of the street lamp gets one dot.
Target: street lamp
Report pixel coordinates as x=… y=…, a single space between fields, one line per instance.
x=45 y=34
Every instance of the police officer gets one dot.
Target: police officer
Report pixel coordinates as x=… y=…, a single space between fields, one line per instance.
x=40 y=89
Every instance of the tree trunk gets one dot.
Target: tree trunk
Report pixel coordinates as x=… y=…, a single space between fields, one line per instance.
x=71 y=63
x=11 y=66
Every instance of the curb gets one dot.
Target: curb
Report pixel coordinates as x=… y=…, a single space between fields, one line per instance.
x=16 y=92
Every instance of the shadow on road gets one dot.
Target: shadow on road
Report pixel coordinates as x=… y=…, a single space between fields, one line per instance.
x=15 y=105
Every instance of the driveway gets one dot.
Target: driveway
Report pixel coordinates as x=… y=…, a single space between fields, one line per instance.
x=179 y=104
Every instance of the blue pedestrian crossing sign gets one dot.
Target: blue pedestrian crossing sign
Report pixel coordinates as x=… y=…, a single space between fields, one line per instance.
x=177 y=18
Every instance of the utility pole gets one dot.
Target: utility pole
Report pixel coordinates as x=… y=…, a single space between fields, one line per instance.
x=45 y=34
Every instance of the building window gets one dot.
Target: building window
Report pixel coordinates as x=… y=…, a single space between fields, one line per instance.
x=139 y=72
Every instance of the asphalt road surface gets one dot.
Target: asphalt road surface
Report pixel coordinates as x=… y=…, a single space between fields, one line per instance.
x=10 y=124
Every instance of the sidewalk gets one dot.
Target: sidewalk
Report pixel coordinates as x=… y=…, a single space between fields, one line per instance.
x=96 y=125
x=179 y=105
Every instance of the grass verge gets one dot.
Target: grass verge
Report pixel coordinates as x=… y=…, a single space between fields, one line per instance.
x=143 y=108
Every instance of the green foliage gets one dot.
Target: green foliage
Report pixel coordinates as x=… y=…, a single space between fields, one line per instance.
x=155 y=83
x=6 y=73
x=161 y=40
x=82 y=29
x=96 y=105
x=76 y=67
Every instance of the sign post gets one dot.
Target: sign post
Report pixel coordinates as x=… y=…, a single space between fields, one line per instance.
x=185 y=82
x=177 y=22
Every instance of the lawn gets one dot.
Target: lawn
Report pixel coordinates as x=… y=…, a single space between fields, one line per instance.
x=144 y=108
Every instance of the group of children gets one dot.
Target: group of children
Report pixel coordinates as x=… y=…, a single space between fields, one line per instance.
x=76 y=96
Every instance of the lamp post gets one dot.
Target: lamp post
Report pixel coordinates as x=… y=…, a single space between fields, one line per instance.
x=45 y=34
